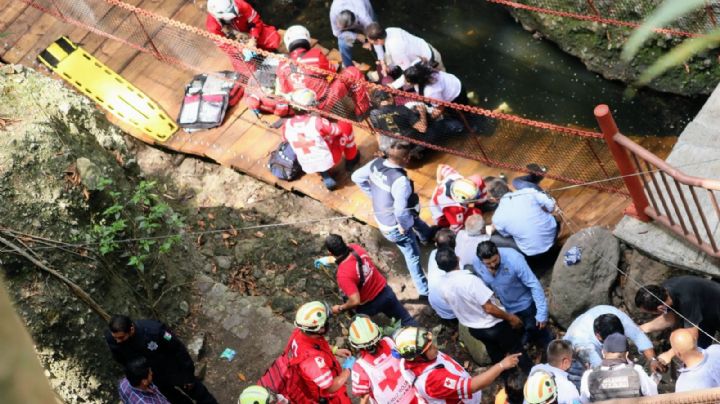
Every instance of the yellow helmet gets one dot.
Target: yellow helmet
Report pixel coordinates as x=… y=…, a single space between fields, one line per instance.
x=463 y=190
x=411 y=342
x=311 y=317
x=256 y=395
x=540 y=388
x=363 y=332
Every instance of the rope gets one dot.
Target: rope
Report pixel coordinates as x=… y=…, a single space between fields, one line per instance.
x=304 y=222
x=593 y=18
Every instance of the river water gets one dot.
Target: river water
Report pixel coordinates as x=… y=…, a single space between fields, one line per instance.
x=501 y=62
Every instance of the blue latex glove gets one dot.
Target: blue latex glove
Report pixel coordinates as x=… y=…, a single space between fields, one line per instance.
x=349 y=362
x=324 y=262
x=248 y=55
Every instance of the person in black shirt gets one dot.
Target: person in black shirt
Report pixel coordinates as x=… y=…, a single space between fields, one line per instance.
x=409 y=122
x=173 y=369
x=694 y=298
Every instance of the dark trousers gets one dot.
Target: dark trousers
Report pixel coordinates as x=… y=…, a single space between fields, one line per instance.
x=388 y=304
x=532 y=333
x=546 y=260
x=197 y=394
x=501 y=340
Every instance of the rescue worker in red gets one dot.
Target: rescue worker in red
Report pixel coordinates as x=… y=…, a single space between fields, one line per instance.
x=229 y=18
x=320 y=145
x=437 y=377
x=314 y=374
x=328 y=90
x=376 y=374
x=456 y=198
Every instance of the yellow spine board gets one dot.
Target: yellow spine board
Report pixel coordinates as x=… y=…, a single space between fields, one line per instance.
x=108 y=89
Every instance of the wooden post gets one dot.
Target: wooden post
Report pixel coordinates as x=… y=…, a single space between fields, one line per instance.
x=627 y=170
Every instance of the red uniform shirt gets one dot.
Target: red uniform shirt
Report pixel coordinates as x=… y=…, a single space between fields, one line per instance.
x=317 y=369
x=449 y=383
x=348 y=276
x=362 y=385
x=248 y=20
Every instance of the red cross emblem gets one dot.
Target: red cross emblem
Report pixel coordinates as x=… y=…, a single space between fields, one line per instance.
x=303 y=144
x=391 y=379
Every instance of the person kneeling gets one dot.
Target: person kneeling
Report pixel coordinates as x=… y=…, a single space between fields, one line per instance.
x=320 y=145
x=617 y=376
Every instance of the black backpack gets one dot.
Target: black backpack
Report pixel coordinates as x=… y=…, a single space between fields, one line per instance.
x=283 y=163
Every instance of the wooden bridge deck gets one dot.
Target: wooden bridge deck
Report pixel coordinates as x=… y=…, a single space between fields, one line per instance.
x=242 y=143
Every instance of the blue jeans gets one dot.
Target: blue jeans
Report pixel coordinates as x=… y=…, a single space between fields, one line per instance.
x=408 y=245
x=346 y=40
x=532 y=332
x=579 y=365
x=387 y=303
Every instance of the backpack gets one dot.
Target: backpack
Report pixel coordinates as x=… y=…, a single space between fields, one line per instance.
x=283 y=163
x=207 y=98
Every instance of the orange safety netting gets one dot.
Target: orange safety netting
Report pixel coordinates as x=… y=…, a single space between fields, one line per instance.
x=501 y=140
x=622 y=13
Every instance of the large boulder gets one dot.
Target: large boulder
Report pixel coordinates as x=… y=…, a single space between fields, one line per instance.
x=576 y=288
x=475 y=347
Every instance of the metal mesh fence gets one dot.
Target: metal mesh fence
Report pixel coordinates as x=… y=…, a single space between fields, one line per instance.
x=495 y=139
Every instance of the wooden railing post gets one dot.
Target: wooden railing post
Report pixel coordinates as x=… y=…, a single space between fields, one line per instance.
x=627 y=169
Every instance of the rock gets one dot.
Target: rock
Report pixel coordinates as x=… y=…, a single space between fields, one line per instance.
x=576 y=288
x=184 y=307
x=196 y=346
x=646 y=272
x=90 y=173
x=475 y=347
x=224 y=262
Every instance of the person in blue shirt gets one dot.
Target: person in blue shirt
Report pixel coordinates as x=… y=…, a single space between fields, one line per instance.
x=526 y=215
x=394 y=203
x=506 y=272
x=588 y=331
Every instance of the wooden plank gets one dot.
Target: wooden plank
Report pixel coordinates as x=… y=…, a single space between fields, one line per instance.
x=9 y=14
x=22 y=33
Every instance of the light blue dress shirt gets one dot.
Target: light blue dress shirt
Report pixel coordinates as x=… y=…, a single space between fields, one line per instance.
x=525 y=216
x=435 y=279
x=582 y=336
x=400 y=191
x=514 y=283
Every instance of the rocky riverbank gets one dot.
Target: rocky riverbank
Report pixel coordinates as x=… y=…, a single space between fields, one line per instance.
x=599 y=45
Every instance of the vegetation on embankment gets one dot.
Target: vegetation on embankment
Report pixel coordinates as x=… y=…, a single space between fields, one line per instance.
x=599 y=45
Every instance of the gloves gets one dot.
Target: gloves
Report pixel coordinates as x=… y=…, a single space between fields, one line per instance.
x=349 y=362
x=324 y=261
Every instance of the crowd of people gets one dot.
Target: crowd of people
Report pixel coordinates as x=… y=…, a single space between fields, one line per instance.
x=591 y=362
x=482 y=276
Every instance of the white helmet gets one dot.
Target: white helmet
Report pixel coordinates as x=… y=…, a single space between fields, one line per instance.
x=224 y=10
x=296 y=33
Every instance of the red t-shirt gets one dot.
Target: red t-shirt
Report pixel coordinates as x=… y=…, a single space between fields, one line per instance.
x=348 y=276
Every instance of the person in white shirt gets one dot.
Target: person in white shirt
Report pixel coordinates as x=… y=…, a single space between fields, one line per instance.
x=476 y=308
x=439 y=85
x=348 y=20
x=402 y=49
x=702 y=366
x=436 y=276
x=559 y=357
x=617 y=376
x=468 y=239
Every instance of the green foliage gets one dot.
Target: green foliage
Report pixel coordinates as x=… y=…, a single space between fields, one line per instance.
x=140 y=226
x=668 y=11
x=679 y=55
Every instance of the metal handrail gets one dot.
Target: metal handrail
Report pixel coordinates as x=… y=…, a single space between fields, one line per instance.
x=648 y=156
x=646 y=178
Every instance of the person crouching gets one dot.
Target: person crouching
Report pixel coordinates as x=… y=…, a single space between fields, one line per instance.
x=320 y=144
